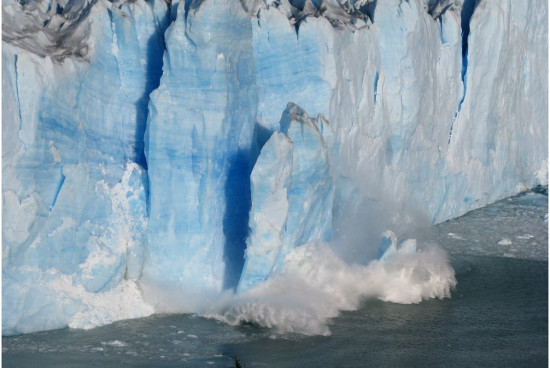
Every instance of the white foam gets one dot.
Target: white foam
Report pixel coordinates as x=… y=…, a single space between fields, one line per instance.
x=116 y=343
x=316 y=285
x=504 y=241
x=455 y=236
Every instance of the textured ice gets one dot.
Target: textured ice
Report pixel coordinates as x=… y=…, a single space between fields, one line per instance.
x=135 y=163
x=292 y=190
x=74 y=184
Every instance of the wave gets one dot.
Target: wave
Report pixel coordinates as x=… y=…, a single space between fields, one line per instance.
x=317 y=285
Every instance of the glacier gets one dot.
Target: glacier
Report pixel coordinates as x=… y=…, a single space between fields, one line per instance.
x=171 y=156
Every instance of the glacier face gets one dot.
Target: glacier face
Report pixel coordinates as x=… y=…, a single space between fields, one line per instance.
x=74 y=185
x=157 y=154
x=199 y=147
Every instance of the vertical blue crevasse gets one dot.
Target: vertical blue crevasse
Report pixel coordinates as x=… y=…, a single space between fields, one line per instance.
x=466 y=15
x=155 y=52
x=468 y=8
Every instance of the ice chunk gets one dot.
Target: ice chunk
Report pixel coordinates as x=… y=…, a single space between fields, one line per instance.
x=504 y=241
x=292 y=195
x=270 y=185
x=407 y=246
x=388 y=245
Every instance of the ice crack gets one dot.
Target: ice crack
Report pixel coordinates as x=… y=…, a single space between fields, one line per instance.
x=466 y=15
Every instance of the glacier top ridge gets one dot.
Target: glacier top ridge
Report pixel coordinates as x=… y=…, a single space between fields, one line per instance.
x=60 y=28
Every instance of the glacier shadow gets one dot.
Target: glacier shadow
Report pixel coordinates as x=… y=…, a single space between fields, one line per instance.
x=235 y=220
x=153 y=73
x=468 y=9
x=466 y=14
x=238 y=202
x=368 y=9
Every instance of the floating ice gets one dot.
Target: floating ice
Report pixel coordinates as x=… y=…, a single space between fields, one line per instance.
x=504 y=241
x=116 y=343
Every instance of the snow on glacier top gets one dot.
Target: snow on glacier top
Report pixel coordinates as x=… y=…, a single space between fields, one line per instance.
x=58 y=28
x=61 y=28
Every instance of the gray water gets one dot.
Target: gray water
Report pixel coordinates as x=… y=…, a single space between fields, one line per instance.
x=497 y=316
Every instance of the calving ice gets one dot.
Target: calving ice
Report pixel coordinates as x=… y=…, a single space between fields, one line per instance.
x=222 y=157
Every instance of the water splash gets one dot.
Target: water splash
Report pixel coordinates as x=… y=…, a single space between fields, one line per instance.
x=317 y=285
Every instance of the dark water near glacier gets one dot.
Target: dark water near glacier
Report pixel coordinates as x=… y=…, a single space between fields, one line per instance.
x=497 y=316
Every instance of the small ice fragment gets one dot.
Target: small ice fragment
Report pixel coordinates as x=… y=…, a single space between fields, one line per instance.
x=407 y=246
x=525 y=236
x=192 y=336
x=117 y=343
x=55 y=153
x=455 y=236
x=504 y=241
x=387 y=247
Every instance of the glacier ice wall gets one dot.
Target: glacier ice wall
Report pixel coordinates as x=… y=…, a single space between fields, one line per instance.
x=75 y=183
x=134 y=152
